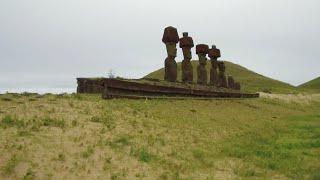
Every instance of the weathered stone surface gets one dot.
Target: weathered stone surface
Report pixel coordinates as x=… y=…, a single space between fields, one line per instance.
x=170 y=35
x=221 y=66
x=222 y=82
x=214 y=79
x=202 y=50
x=121 y=88
x=214 y=53
x=186 y=43
x=237 y=86
x=170 y=38
x=231 y=82
x=187 y=71
x=170 y=67
x=88 y=85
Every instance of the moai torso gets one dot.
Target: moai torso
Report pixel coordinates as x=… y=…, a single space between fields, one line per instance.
x=230 y=82
x=170 y=38
x=202 y=51
x=186 y=43
x=237 y=86
x=214 y=54
x=222 y=77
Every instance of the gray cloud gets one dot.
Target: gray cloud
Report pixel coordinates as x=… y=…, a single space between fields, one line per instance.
x=49 y=43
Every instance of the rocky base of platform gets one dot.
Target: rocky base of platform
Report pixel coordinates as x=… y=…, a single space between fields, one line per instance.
x=146 y=88
x=115 y=88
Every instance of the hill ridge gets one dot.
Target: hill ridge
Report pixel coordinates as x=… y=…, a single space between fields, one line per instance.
x=250 y=80
x=312 y=84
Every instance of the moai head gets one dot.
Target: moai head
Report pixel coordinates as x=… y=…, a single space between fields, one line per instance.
x=171 y=38
x=186 y=43
x=202 y=51
x=214 y=53
x=221 y=66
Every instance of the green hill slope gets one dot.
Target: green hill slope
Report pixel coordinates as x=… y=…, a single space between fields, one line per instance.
x=250 y=81
x=313 y=84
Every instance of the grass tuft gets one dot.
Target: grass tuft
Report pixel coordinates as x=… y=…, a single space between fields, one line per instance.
x=10 y=121
x=47 y=121
x=9 y=167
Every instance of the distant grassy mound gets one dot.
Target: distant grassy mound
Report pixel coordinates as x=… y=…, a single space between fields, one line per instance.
x=250 y=81
x=313 y=84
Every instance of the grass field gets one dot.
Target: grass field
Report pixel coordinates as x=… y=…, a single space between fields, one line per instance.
x=85 y=137
x=250 y=81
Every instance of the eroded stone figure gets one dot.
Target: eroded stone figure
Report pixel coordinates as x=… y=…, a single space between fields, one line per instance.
x=237 y=86
x=170 y=38
x=231 y=82
x=214 y=54
x=202 y=51
x=186 y=43
x=222 y=77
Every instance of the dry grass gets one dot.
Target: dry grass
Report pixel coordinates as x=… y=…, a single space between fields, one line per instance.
x=83 y=136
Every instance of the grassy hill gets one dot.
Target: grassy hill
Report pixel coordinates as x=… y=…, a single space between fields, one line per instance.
x=86 y=137
x=313 y=84
x=250 y=81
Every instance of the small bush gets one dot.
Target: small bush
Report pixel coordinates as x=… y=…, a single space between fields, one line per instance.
x=61 y=157
x=6 y=99
x=32 y=99
x=30 y=175
x=88 y=152
x=198 y=154
x=9 y=121
x=47 y=121
x=9 y=167
x=144 y=155
x=106 y=119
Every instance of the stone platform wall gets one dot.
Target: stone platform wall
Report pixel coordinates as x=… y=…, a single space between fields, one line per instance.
x=90 y=85
x=120 y=88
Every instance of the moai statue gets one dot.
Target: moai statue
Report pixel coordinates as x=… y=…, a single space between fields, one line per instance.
x=214 y=54
x=231 y=82
x=222 y=77
x=202 y=51
x=237 y=86
x=186 y=43
x=170 y=38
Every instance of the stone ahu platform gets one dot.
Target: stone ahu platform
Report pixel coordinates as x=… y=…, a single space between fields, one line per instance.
x=154 y=89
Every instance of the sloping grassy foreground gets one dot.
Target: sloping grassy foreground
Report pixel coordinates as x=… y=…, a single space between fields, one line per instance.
x=250 y=81
x=85 y=137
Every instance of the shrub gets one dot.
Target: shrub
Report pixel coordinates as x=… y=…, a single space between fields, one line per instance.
x=9 y=121
x=47 y=121
x=30 y=175
x=9 y=167
x=87 y=152
x=144 y=155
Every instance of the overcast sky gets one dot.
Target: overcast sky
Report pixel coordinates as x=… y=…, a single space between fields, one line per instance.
x=48 y=43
